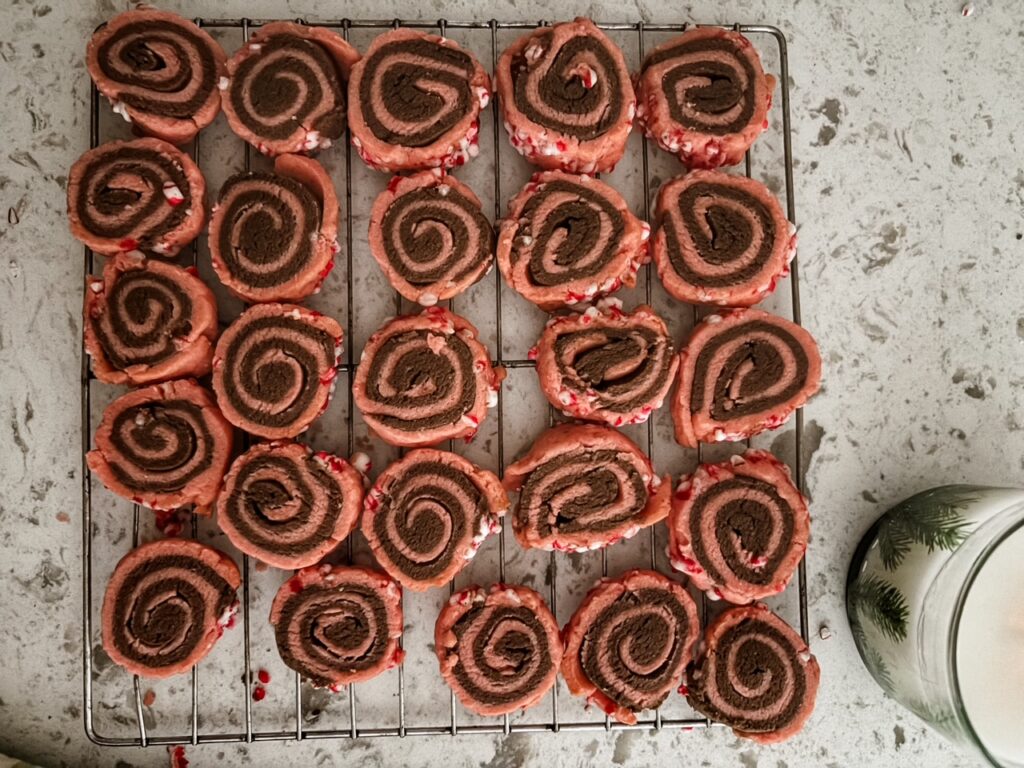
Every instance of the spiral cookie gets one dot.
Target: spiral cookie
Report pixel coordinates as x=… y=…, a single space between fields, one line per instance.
x=288 y=506
x=274 y=369
x=742 y=373
x=566 y=97
x=414 y=102
x=721 y=239
x=164 y=446
x=148 y=321
x=286 y=91
x=704 y=96
x=628 y=643
x=425 y=378
x=430 y=237
x=738 y=529
x=166 y=604
x=499 y=648
x=273 y=236
x=606 y=365
x=338 y=625
x=136 y=195
x=584 y=487
x=569 y=239
x=159 y=71
x=756 y=675
x=428 y=514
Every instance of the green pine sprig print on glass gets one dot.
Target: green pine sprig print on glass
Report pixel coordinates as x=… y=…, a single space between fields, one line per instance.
x=934 y=520
x=883 y=604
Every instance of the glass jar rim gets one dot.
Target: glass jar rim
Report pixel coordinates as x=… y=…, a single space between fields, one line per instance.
x=954 y=626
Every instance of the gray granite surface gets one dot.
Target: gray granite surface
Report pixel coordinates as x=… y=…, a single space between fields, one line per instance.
x=910 y=192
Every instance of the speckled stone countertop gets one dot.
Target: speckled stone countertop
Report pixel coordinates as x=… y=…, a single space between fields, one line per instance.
x=910 y=190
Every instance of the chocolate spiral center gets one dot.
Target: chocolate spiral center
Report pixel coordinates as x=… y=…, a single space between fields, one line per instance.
x=551 y=90
x=752 y=378
x=712 y=78
x=426 y=516
x=633 y=650
x=626 y=367
x=283 y=505
x=502 y=652
x=747 y=511
x=573 y=233
x=326 y=630
x=434 y=236
x=412 y=92
x=582 y=491
x=269 y=228
x=724 y=224
x=170 y=66
x=164 y=608
x=290 y=83
x=273 y=367
x=145 y=313
x=427 y=377
x=160 y=446
x=122 y=190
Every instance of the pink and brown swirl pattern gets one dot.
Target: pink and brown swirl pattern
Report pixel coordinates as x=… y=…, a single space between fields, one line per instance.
x=414 y=102
x=273 y=236
x=148 y=321
x=499 y=649
x=566 y=97
x=338 y=625
x=288 y=506
x=274 y=369
x=629 y=642
x=164 y=446
x=159 y=71
x=755 y=675
x=721 y=239
x=166 y=604
x=738 y=529
x=568 y=239
x=430 y=237
x=425 y=378
x=704 y=96
x=741 y=373
x=427 y=515
x=286 y=88
x=584 y=487
x=141 y=195
x=606 y=365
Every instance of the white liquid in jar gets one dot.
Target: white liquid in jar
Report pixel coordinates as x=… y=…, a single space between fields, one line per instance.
x=990 y=652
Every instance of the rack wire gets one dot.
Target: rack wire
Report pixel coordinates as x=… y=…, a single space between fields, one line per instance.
x=246 y=732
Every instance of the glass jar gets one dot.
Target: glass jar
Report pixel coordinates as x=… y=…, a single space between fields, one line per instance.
x=935 y=601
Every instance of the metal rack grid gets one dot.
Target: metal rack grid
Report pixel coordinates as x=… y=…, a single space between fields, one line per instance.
x=401 y=729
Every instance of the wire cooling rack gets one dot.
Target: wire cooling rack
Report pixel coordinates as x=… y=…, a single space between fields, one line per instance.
x=403 y=702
